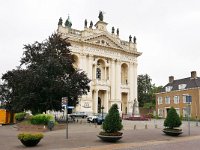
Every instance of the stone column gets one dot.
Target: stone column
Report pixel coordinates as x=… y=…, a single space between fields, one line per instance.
x=112 y=79
x=106 y=101
x=118 y=81
x=90 y=65
x=95 y=101
x=131 y=84
x=135 y=80
x=105 y=73
x=83 y=63
x=136 y=103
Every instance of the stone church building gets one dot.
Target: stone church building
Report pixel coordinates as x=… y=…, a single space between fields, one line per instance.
x=109 y=62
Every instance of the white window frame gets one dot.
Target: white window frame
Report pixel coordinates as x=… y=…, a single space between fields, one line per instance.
x=167 y=100
x=185 y=112
x=181 y=86
x=178 y=111
x=160 y=100
x=184 y=98
x=176 y=99
x=160 y=112
x=168 y=88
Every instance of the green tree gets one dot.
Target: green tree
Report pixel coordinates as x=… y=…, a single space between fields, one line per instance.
x=146 y=91
x=112 y=121
x=45 y=75
x=173 y=119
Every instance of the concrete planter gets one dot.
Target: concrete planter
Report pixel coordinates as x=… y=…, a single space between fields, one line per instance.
x=172 y=132
x=30 y=143
x=109 y=138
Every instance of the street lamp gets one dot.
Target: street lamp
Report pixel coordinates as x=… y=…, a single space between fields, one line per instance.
x=65 y=102
x=189 y=101
x=102 y=108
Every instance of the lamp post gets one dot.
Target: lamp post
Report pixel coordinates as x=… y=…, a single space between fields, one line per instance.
x=189 y=100
x=65 y=102
x=102 y=108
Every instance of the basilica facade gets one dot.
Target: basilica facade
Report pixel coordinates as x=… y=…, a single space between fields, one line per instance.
x=108 y=61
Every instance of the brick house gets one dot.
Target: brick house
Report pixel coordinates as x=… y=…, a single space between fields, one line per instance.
x=174 y=94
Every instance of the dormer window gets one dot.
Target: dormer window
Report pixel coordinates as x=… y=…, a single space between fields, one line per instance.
x=168 y=88
x=181 y=86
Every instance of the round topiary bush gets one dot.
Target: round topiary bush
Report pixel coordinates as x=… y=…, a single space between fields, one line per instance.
x=112 y=122
x=30 y=139
x=173 y=120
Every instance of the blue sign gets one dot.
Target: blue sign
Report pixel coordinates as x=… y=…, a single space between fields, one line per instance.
x=70 y=107
x=188 y=99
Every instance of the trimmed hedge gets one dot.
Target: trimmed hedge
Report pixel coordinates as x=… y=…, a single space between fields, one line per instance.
x=173 y=120
x=30 y=136
x=20 y=116
x=112 y=122
x=41 y=119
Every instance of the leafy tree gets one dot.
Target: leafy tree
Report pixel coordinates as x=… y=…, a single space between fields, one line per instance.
x=173 y=119
x=45 y=75
x=112 y=121
x=146 y=91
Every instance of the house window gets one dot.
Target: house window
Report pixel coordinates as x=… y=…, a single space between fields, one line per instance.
x=159 y=100
x=98 y=73
x=160 y=112
x=167 y=100
x=168 y=88
x=186 y=112
x=178 y=111
x=181 y=86
x=176 y=99
x=184 y=98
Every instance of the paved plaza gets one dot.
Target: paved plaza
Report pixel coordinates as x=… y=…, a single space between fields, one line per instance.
x=137 y=135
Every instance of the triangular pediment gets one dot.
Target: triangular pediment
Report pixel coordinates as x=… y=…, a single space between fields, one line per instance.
x=103 y=40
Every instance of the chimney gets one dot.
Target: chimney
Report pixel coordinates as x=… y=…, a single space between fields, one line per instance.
x=193 y=74
x=171 y=79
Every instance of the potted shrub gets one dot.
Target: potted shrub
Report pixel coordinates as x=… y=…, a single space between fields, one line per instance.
x=30 y=139
x=111 y=126
x=172 y=122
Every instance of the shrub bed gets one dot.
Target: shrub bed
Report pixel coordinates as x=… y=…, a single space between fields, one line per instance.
x=20 y=116
x=41 y=119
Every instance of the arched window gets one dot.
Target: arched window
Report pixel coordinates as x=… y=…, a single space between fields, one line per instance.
x=98 y=73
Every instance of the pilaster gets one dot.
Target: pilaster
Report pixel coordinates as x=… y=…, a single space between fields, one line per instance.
x=112 y=79
x=118 y=81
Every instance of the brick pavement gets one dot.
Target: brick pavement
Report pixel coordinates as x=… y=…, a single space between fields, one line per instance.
x=83 y=136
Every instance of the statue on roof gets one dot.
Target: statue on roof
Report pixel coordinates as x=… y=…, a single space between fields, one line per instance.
x=100 y=16
x=130 y=38
x=113 y=30
x=134 y=40
x=91 y=24
x=68 y=23
x=117 y=31
x=60 y=21
x=85 y=23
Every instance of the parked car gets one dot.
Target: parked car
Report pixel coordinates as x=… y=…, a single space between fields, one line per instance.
x=79 y=114
x=100 y=119
x=92 y=118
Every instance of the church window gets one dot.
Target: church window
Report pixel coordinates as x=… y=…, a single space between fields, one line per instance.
x=98 y=73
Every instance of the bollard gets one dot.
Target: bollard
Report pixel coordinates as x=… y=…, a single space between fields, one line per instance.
x=156 y=126
x=134 y=127
x=145 y=126
x=95 y=125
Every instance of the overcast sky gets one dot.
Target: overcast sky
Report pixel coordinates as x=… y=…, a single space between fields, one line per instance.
x=167 y=31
